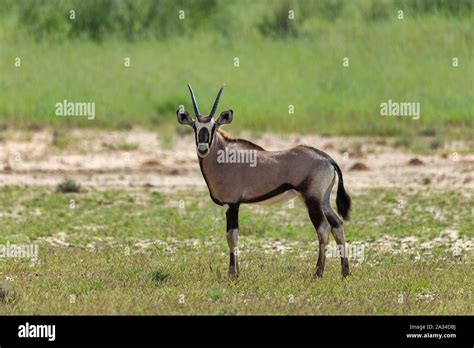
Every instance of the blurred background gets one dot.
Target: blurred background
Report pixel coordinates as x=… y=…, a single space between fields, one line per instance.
x=281 y=62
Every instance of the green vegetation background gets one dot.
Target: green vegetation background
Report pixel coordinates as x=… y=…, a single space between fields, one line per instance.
x=282 y=62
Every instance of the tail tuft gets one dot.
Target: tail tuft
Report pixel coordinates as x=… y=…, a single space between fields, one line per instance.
x=343 y=200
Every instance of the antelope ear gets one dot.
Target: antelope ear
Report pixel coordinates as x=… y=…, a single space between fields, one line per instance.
x=184 y=118
x=225 y=117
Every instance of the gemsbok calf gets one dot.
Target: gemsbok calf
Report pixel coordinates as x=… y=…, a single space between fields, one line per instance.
x=302 y=170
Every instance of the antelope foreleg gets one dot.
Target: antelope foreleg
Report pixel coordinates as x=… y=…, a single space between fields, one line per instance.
x=232 y=215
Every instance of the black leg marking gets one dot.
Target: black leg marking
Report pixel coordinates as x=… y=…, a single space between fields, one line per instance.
x=322 y=227
x=338 y=234
x=232 y=215
x=315 y=212
x=333 y=220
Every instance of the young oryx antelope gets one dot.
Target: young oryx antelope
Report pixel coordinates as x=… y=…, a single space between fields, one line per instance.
x=277 y=175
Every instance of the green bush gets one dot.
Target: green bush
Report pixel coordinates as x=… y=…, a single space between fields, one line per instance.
x=448 y=7
x=158 y=19
x=277 y=24
x=98 y=19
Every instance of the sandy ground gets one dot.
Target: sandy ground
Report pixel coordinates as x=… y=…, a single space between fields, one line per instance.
x=96 y=159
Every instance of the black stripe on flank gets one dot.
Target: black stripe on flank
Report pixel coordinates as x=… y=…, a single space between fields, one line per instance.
x=273 y=193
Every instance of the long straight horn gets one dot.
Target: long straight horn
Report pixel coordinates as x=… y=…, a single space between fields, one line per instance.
x=214 y=107
x=195 y=105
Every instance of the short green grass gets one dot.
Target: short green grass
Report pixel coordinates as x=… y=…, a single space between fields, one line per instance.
x=77 y=281
x=105 y=271
x=28 y=214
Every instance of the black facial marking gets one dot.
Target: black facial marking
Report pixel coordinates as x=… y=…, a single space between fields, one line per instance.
x=203 y=136
x=212 y=135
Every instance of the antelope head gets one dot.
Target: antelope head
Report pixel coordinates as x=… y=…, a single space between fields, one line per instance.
x=204 y=125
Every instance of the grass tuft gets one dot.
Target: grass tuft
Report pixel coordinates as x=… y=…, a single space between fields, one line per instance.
x=159 y=276
x=69 y=186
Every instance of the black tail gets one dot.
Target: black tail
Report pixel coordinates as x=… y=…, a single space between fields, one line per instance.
x=343 y=200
